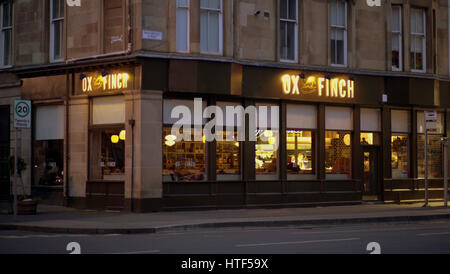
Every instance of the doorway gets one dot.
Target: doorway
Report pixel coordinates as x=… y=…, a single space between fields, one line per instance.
x=371 y=174
x=4 y=152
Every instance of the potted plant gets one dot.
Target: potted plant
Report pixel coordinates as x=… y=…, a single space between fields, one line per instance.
x=25 y=204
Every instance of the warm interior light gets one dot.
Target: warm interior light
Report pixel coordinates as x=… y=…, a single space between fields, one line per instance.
x=171 y=137
x=123 y=135
x=114 y=139
x=170 y=143
x=347 y=140
x=268 y=133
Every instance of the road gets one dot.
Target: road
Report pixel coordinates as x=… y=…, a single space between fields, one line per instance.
x=406 y=238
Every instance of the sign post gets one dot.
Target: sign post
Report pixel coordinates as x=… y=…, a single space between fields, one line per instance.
x=22 y=119
x=430 y=119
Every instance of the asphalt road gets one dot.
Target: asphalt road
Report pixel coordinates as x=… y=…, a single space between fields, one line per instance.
x=409 y=238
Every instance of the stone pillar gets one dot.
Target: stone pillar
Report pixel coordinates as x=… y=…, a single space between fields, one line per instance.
x=143 y=151
x=78 y=148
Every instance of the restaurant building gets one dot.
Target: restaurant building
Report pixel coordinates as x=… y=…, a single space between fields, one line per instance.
x=350 y=125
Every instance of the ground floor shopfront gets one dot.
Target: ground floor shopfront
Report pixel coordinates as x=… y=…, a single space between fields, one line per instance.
x=102 y=136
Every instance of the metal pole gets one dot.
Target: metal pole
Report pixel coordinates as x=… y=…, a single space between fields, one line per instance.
x=15 y=176
x=446 y=172
x=426 y=164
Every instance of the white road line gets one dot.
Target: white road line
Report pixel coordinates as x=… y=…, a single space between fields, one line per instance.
x=140 y=252
x=434 y=234
x=300 y=242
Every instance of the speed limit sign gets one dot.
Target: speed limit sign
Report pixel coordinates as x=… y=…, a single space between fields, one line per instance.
x=22 y=114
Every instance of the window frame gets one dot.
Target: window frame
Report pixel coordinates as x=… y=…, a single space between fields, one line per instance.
x=313 y=172
x=188 y=26
x=329 y=175
x=340 y=28
x=296 y=29
x=52 y=33
x=220 y=12
x=423 y=36
x=398 y=33
x=3 y=30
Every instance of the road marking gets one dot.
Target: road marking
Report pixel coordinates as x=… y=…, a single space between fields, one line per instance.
x=300 y=242
x=140 y=252
x=434 y=234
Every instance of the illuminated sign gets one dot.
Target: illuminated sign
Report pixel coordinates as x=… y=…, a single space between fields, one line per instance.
x=321 y=86
x=110 y=82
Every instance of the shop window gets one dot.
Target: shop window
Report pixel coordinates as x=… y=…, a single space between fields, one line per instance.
x=107 y=152
x=400 y=156
x=228 y=155
x=435 y=166
x=211 y=26
x=288 y=30
x=300 y=152
x=418 y=39
x=56 y=29
x=338 y=154
x=397 y=38
x=370 y=126
x=107 y=138
x=338 y=13
x=184 y=151
x=183 y=25
x=183 y=161
x=48 y=146
x=266 y=152
x=6 y=35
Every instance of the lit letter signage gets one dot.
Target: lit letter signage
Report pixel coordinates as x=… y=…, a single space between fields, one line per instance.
x=321 y=86
x=110 y=82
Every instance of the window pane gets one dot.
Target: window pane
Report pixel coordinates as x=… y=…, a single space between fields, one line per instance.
x=338 y=154
x=183 y=161
x=7 y=15
x=333 y=13
x=434 y=156
x=420 y=22
x=341 y=13
x=284 y=9
x=228 y=154
x=182 y=29
x=413 y=19
x=266 y=152
x=7 y=44
x=370 y=139
x=204 y=31
x=396 y=17
x=299 y=150
x=48 y=162
x=57 y=36
x=213 y=32
x=182 y=3
x=283 y=40
x=293 y=9
x=107 y=155
x=396 y=50
x=400 y=156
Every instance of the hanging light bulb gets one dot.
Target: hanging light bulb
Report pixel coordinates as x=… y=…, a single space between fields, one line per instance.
x=114 y=139
x=123 y=135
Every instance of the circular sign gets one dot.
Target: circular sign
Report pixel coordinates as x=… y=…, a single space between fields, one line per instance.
x=22 y=109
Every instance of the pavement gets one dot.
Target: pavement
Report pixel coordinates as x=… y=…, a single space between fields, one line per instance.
x=54 y=219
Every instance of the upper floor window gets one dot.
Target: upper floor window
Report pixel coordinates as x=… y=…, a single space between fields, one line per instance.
x=56 y=29
x=397 y=45
x=418 y=40
x=338 y=14
x=6 y=35
x=182 y=25
x=211 y=26
x=288 y=30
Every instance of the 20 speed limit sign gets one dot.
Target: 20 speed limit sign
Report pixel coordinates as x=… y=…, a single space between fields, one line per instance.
x=22 y=114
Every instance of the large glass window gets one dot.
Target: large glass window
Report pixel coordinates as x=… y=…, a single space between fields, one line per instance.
x=267 y=142
x=107 y=138
x=418 y=39
x=338 y=13
x=184 y=151
x=288 y=30
x=397 y=38
x=370 y=126
x=6 y=35
x=300 y=140
x=338 y=143
x=435 y=166
x=48 y=146
x=400 y=144
x=56 y=29
x=211 y=26
x=182 y=25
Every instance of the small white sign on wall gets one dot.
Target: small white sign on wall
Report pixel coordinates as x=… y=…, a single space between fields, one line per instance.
x=152 y=35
